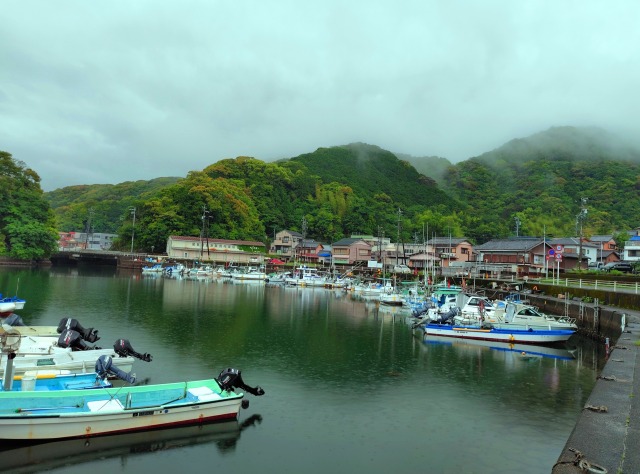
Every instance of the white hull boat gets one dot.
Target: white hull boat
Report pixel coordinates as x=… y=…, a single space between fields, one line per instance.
x=64 y=414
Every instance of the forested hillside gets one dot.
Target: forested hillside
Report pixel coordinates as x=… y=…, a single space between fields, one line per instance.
x=333 y=192
x=100 y=206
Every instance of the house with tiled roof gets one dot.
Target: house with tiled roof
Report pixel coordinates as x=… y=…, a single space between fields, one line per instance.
x=309 y=250
x=351 y=251
x=520 y=256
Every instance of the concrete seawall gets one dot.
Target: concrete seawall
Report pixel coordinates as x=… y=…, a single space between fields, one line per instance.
x=606 y=437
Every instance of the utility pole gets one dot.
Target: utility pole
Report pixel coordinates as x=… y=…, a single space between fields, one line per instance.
x=582 y=216
x=304 y=234
x=133 y=228
x=88 y=229
x=205 y=228
x=398 y=236
x=517 y=226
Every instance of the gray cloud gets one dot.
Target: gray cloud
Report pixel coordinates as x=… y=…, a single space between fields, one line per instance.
x=105 y=92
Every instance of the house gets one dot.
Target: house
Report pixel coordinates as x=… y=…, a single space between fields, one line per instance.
x=216 y=250
x=608 y=249
x=519 y=256
x=308 y=250
x=351 y=251
x=285 y=243
x=449 y=249
x=571 y=247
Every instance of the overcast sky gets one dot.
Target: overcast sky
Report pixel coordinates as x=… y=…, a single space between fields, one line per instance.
x=98 y=92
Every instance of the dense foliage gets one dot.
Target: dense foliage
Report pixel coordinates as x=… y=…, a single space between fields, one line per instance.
x=27 y=225
x=100 y=207
x=543 y=182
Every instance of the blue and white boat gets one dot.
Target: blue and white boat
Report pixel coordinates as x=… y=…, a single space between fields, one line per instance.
x=9 y=304
x=155 y=268
x=488 y=333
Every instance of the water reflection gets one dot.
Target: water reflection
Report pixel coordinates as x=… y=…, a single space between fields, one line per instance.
x=27 y=457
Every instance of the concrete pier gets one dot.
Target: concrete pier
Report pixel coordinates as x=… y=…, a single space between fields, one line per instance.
x=606 y=437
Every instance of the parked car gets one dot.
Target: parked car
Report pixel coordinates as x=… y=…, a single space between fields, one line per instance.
x=597 y=265
x=401 y=269
x=618 y=266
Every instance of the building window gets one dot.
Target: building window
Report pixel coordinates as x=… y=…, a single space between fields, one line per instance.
x=285 y=239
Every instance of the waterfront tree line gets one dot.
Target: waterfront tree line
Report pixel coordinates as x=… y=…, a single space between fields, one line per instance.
x=532 y=186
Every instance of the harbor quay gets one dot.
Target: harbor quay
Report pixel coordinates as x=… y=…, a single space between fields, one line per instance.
x=606 y=438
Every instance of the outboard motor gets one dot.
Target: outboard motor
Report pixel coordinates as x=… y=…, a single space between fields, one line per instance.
x=123 y=349
x=419 y=313
x=447 y=318
x=89 y=335
x=105 y=367
x=13 y=320
x=72 y=339
x=232 y=378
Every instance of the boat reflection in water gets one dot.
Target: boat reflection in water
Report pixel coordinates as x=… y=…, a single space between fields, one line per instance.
x=518 y=351
x=26 y=457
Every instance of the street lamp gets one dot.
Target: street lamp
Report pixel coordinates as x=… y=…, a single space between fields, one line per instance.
x=133 y=231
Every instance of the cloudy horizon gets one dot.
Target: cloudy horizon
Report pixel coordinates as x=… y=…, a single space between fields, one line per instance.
x=102 y=93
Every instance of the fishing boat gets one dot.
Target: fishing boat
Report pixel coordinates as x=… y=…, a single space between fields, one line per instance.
x=526 y=315
x=488 y=333
x=70 y=350
x=250 y=273
x=155 y=268
x=11 y=303
x=61 y=414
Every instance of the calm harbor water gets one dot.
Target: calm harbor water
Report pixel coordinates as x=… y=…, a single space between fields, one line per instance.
x=348 y=387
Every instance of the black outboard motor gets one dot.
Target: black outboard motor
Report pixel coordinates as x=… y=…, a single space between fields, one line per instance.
x=13 y=320
x=89 y=335
x=105 y=367
x=72 y=339
x=447 y=318
x=232 y=378
x=123 y=349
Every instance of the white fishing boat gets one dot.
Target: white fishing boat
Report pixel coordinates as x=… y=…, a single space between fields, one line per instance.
x=61 y=414
x=250 y=273
x=68 y=347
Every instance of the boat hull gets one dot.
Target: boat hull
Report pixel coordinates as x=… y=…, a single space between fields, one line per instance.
x=500 y=335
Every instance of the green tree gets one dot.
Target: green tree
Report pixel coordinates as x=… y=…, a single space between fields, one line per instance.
x=27 y=224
